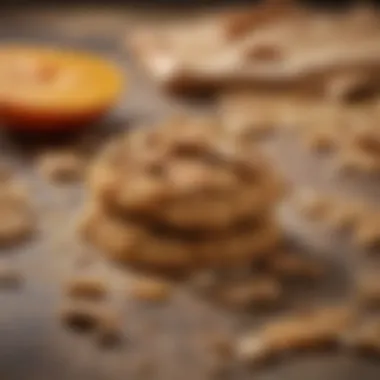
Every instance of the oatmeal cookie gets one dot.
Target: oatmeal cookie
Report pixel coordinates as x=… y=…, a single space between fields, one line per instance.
x=192 y=178
x=134 y=244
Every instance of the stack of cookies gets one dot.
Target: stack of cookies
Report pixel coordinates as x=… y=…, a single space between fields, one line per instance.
x=182 y=196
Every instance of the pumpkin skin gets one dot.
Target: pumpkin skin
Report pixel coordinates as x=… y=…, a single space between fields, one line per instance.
x=50 y=89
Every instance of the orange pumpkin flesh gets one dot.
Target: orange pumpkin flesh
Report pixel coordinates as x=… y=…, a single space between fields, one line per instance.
x=45 y=88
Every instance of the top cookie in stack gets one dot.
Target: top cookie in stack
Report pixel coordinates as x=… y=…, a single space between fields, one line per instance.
x=182 y=195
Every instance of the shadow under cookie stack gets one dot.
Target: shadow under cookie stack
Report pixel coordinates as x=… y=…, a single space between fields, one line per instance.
x=182 y=196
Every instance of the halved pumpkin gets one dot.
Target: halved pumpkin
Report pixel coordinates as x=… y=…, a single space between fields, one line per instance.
x=46 y=88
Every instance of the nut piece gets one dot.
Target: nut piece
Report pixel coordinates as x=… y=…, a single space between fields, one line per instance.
x=313 y=330
x=258 y=292
x=87 y=288
x=61 y=166
x=151 y=290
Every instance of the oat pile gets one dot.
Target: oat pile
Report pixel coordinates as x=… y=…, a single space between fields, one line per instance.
x=182 y=196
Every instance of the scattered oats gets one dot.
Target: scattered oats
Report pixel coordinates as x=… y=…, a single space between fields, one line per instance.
x=152 y=290
x=257 y=292
x=61 y=166
x=87 y=288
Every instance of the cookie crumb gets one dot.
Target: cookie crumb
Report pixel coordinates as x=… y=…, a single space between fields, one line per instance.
x=87 y=288
x=61 y=166
x=151 y=290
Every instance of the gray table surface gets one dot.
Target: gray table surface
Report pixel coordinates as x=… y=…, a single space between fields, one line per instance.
x=33 y=343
